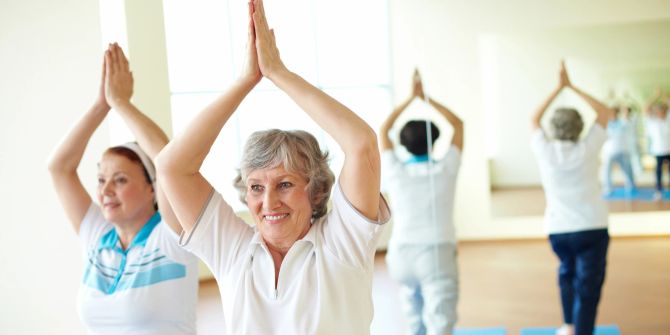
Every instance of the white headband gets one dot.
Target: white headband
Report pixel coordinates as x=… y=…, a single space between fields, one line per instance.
x=146 y=161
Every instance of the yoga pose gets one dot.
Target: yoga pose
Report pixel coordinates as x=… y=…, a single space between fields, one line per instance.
x=422 y=251
x=576 y=215
x=303 y=269
x=137 y=278
x=657 y=125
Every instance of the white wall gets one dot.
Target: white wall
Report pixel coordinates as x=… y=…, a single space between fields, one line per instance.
x=50 y=65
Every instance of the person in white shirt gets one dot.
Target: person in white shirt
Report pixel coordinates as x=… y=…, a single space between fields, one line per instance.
x=576 y=215
x=422 y=250
x=302 y=269
x=657 y=126
x=618 y=149
x=137 y=279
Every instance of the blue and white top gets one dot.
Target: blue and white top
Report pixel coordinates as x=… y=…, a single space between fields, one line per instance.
x=149 y=288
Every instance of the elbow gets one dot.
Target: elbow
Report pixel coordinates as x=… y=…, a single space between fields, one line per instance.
x=164 y=166
x=366 y=145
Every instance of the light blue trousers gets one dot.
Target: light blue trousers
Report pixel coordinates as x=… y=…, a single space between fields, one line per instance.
x=428 y=275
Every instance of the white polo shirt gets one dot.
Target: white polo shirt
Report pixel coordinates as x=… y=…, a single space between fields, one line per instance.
x=569 y=174
x=325 y=281
x=421 y=194
x=150 y=288
x=658 y=131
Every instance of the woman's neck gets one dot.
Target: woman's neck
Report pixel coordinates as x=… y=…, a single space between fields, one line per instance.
x=128 y=230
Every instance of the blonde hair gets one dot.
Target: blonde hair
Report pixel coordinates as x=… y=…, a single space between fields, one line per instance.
x=298 y=152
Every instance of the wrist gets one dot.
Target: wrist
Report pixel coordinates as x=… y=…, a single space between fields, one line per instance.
x=120 y=104
x=279 y=74
x=101 y=106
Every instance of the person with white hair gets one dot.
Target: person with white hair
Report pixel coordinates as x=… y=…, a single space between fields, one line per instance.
x=137 y=279
x=576 y=215
x=303 y=269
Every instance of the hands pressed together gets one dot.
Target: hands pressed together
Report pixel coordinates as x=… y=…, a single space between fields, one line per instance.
x=564 y=79
x=417 y=86
x=262 y=54
x=116 y=84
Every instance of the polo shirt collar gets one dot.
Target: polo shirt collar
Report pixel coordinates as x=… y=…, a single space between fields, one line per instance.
x=111 y=239
x=257 y=239
x=418 y=159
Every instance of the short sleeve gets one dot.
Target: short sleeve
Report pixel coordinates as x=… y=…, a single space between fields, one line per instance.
x=349 y=234
x=92 y=227
x=538 y=141
x=169 y=241
x=452 y=160
x=595 y=139
x=218 y=235
x=390 y=165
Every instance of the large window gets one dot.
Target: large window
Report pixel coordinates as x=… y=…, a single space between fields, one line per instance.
x=340 y=46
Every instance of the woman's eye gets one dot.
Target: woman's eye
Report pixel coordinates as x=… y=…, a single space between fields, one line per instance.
x=285 y=184
x=120 y=180
x=256 y=188
x=101 y=181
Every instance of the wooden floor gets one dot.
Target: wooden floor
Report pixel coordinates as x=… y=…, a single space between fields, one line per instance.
x=525 y=201
x=513 y=284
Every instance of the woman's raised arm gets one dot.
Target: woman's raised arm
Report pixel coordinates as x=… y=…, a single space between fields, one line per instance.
x=178 y=164
x=65 y=159
x=360 y=175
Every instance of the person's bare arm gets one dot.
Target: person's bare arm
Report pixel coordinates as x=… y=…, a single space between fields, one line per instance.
x=178 y=164
x=536 y=120
x=455 y=121
x=150 y=137
x=360 y=176
x=67 y=156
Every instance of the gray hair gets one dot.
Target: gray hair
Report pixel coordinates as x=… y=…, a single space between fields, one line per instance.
x=566 y=124
x=298 y=152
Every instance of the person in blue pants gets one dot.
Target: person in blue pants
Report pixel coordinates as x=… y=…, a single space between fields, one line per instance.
x=576 y=215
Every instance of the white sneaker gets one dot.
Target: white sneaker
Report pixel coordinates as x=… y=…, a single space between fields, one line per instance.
x=658 y=196
x=566 y=330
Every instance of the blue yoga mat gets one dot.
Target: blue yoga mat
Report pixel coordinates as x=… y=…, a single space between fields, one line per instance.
x=643 y=194
x=600 y=330
x=482 y=331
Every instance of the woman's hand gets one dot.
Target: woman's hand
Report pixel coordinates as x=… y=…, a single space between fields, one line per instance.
x=119 y=79
x=269 y=61
x=564 y=79
x=251 y=70
x=417 y=85
x=101 y=100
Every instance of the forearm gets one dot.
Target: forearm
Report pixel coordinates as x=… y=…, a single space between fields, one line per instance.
x=603 y=112
x=149 y=135
x=348 y=130
x=186 y=152
x=537 y=117
x=454 y=120
x=386 y=126
x=68 y=154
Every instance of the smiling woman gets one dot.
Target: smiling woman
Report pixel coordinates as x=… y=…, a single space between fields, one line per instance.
x=302 y=269
x=134 y=266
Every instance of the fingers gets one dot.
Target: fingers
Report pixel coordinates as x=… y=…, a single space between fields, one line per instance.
x=251 y=29
x=103 y=71
x=108 y=63
x=122 y=59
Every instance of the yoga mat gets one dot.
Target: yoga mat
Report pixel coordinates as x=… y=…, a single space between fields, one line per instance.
x=643 y=194
x=481 y=331
x=600 y=330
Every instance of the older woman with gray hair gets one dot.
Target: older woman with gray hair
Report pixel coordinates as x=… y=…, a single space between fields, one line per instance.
x=302 y=269
x=576 y=215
